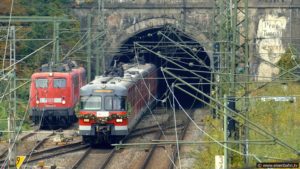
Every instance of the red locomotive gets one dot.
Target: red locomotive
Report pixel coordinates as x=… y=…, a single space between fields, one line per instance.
x=54 y=93
x=112 y=104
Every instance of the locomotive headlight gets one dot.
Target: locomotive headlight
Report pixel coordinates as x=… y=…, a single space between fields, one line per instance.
x=37 y=102
x=86 y=120
x=119 y=120
x=63 y=102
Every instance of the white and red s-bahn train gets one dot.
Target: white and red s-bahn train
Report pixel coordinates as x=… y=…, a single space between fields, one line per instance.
x=111 y=105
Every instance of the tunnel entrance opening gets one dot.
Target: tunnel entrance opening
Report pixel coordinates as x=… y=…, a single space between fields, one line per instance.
x=173 y=50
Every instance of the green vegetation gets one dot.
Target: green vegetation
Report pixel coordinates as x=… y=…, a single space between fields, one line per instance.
x=206 y=157
x=45 y=7
x=288 y=61
x=69 y=35
x=282 y=119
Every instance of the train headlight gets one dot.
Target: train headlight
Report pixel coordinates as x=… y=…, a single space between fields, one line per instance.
x=119 y=120
x=63 y=102
x=37 y=102
x=86 y=120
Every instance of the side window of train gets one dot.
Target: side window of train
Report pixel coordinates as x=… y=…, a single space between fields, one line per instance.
x=59 y=83
x=123 y=103
x=119 y=103
x=41 y=83
x=83 y=77
x=76 y=81
x=129 y=108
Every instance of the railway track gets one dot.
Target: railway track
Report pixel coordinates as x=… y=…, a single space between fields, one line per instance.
x=151 y=155
x=152 y=129
x=138 y=158
x=87 y=157
x=51 y=152
x=150 y=160
x=56 y=151
x=23 y=138
x=43 y=148
x=181 y=137
x=104 y=156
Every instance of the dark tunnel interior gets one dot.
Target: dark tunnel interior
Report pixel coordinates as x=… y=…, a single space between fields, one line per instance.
x=177 y=51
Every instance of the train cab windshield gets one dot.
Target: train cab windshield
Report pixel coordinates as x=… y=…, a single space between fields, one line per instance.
x=41 y=83
x=108 y=102
x=59 y=83
x=114 y=103
x=91 y=103
x=44 y=83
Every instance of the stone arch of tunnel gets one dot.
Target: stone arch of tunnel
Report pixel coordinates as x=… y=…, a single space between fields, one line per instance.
x=169 y=48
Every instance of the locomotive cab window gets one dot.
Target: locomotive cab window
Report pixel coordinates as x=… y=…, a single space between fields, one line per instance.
x=41 y=83
x=59 y=83
x=90 y=103
x=114 y=103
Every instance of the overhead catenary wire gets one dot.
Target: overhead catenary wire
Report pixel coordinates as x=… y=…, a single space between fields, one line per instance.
x=213 y=83
x=252 y=124
x=190 y=118
x=25 y=114
x=155 y=119
x=39 y=126
x=21 y=123
x=16 y=136
x=175 y=124
x=8 y=30
x=10 y=66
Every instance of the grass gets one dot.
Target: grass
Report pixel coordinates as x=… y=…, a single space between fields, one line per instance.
x=282 y=119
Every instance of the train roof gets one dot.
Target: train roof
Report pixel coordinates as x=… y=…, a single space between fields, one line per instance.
x=57 y=74
x=65 y=66
x=119 y=85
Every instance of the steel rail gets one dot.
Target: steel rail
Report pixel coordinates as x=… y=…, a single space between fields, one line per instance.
x=21 y=139
x=57 y=148
x=175 y=153
x=81 y=159
x=77 y=148
x=130 y=135
x=39 y=143
x=49 y=150
x=151 y=130
x=149 y=155
x=251 y=124
x=153 y=147
x=109 y=157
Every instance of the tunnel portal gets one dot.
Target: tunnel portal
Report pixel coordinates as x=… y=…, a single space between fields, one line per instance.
x=174 y=51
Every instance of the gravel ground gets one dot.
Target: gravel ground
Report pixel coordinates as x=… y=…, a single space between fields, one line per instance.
x=3 y=146
x=127 y=159
x=94 y=159
x=193 y=134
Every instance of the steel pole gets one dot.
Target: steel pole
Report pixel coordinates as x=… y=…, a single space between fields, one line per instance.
x=89 y=47
x=225 y=133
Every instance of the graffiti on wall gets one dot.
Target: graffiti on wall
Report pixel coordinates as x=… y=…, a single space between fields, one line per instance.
x=269 y=45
